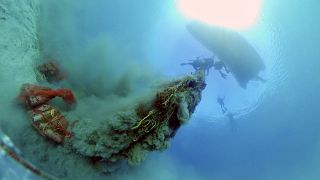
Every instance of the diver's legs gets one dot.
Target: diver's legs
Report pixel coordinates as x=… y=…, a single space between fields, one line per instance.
x=192 y=64
x=225 y=68
x=224 y=76
x=207 y=71
x=258 y=78
x=183 y=64
x=223 y=108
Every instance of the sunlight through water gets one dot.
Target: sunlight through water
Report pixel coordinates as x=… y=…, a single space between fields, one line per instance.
x=235 y=14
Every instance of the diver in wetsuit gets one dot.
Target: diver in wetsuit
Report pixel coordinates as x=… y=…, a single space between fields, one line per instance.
x=228 y=114
x=206 y=64
x=196 y=63
x=220 y=101
x=218 y=66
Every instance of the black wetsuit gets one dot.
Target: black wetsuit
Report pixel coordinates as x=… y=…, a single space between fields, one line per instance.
x=221 y=102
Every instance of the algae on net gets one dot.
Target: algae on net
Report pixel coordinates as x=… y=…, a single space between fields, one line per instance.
x=131 y=134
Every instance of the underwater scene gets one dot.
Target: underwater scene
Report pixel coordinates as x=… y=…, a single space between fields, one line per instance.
x=163 y=90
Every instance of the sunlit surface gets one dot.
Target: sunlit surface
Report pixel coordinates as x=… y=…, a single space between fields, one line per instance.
x=236 y=14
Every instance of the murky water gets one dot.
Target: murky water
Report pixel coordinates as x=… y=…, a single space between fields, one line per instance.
x=113 y=52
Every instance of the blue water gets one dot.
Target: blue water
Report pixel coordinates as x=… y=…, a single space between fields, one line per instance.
x=280 y=138
x=277 y=133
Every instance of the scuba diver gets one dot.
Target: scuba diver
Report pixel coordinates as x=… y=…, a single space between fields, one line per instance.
x=195 y=63
x=206 y=64
x=227 y=113
x=218 y=66
x=220 y=101
x=198 y=64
